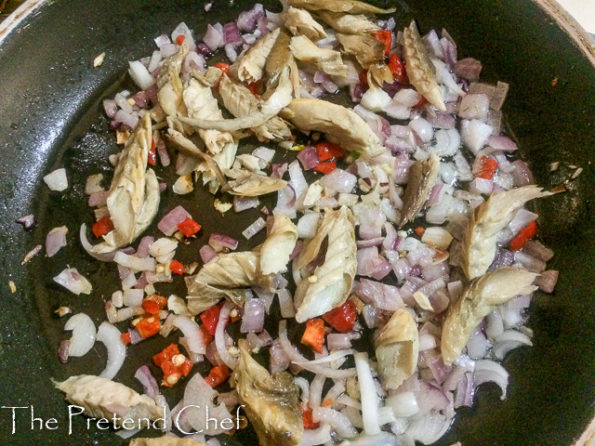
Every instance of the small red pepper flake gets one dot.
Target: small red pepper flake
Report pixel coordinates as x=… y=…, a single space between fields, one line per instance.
x=217 y=375
x=328 y=150
x=180 y=39
x=161 y=301
x=125 y=338
x=102 y=227
x=314 y=334
x=148 y=326
x=420 y=230
x=152 y=155
x=150 y=307
x=210 y=317
x=208 y=337
x=223 y=67
x=255 y=87
x=307 y=418
x=188 y=227
x=342 y=318
x=173 y=364
x=326 y=167
x=397 y=68
x=176 y=267
x=488 y=168
x=524 y=235
x=384 y=36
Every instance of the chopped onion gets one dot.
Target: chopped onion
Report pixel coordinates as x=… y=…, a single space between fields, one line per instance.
x=339 y=422
x=547 y=281
x=169 y=223
x=199 y=407
x=487 y=370
x=183 y=30
x=83 y=334
x=135 y=263
x=339 y=180
x=57 y=180
x=247 y=20
x=243 y=203
x=28 y=221
x=308 y=157
x=55 y=240
x=207 y=253
x=286 y=303
x=253 y=317
x=140 y=75
x=192 y=333
x=73 y=281
x=219 y=242
x=145 y=377
x=369 y=397
x=254 y=228
x=116 y=350
x=220 y=339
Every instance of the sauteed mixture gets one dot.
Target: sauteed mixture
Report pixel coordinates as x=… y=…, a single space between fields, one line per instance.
x=399 y=257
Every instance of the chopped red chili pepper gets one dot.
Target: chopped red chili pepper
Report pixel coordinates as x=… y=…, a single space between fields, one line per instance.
x=150 y=306
x=223 y=67
x=420 y=230
x=255 y=87
x=328 y=150
x=210 y=317
x=307 y=419
x=314 y=334
x=102 y=227
x=487 y=168
x=161 y=301
x=152 y=155
x=208 y=337
x=397 y=68
x=384 y=36
x=326 y=167
x=363 y=77
x=176 y=267
x=342 y=318
x=180 y=39
x=173 y=364
x=217 y=375
x=524 y=235
x=188 y=227
x=148 y=326
x=125 y=338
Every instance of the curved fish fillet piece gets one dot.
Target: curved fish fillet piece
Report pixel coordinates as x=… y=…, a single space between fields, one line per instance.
x=252 y=184
x=366 y=49
x=339 y=124
x=201 y=104
x=279 y=99
x=270 y=401
x=479 y=242
x=351 y=6
x=102 y=398
x=329 y=285
x=133 y=197
x=227 y=276
x=420 y=70
x=170 y=88
x=348 y=23
x=477 y=301
x=397 y=349
x=300 y=22
x=250 y=67
x=280 y=58
x=240 y=102
x=422 y=177
x=280 y=243
x=325 y=60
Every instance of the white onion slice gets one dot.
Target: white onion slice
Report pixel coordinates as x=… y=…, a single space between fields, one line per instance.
x=116 y=350
x=83 y=334
x=73 y=281
x=135 y=263
x=487 y=370
x=140 y=75
x=339 y=422
x=312 y=437
x=87 y=246
x=229 y=360
x=370 y=400
x=192 y=333
x=198 y=406
x=55 y=240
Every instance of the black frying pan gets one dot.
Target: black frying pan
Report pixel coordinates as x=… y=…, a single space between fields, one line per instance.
x=50 y=117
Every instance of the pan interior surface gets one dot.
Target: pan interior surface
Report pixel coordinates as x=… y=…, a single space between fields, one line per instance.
x=50 y=104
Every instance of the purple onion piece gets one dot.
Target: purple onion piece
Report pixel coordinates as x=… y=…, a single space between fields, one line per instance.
x=28 y=221
x=145 y=377
x=220 y=241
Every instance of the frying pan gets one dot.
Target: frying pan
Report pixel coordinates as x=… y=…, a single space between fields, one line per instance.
x=50 y=117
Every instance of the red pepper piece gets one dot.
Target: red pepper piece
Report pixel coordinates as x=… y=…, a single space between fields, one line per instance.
x=150 y=307
x=342 y=318
x=307 y=419
x=326 y=167
x=488 y=168
x=328 y=150
x=188 y=227
x=218 y=375
x=314 y=334
x=524 y=235
x=397 y=68
x=176 y=267
x=384 y=36
x=148 y=326
x=180 y=39
x=210 y=317
x=152 y=155
x=102 y=227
